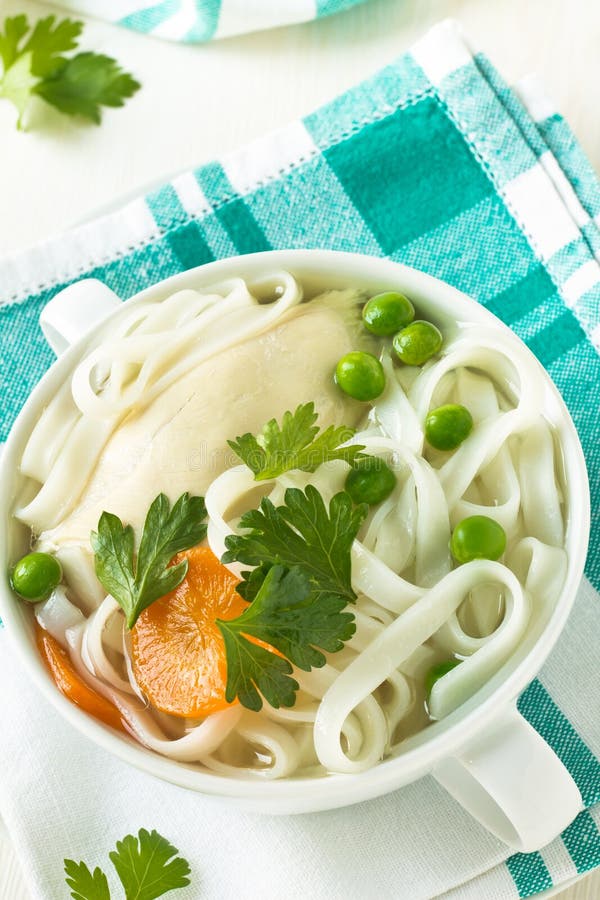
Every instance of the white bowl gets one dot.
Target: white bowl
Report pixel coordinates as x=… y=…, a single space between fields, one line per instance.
x=484 y=753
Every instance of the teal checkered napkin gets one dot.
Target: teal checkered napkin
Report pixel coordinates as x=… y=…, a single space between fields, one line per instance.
x=193 y=21
x=436 y=163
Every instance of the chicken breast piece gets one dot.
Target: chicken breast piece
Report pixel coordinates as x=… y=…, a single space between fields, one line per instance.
x=179 y=442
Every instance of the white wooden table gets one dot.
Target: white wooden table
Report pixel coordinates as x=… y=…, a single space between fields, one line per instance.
x=198 y=102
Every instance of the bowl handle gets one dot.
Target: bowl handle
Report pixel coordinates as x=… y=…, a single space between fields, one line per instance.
x=74 y=311
x=511 y=781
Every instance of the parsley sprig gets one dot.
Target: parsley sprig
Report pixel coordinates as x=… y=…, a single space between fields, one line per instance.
x=147 y=866
x=299 y=590
x=304 y=533
x=295 y=444
x=290 y=614
x=85 y=884
x=34 y=64
x=137 y=584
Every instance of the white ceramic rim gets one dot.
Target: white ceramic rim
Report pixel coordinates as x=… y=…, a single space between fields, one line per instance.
x=307 y=794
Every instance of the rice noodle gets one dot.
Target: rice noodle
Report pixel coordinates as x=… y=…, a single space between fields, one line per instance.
x=266 y=735
x=541 y=507
x=57 y=614
x=388 y=651
x=93 y=651
x=432 y=533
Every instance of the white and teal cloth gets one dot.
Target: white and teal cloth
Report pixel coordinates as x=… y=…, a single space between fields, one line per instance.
x=436 y=163
x=193 y=21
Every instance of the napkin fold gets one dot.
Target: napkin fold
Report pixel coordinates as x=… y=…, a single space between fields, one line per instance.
x=195 y=21
x=436 y=163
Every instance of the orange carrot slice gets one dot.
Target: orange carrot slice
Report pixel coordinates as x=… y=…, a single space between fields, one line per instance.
x=178 y=653
x=70 y=683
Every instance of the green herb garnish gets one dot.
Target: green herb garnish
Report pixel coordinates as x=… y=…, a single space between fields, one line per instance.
x=147 y=867
x=135 y=585
x=34 y=64
x=86 y=885
x=302 y=533
x=295 y=444
x=298 y=591
x=291 y=615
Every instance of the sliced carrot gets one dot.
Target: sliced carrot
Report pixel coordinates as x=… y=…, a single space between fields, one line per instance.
x=70 y=683
x=178 y=653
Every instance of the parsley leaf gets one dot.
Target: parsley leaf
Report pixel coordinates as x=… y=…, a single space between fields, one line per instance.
x=302 y=533
x=252 y=670
x=144 y=864
x=252 y=581
x=34 y=63
x=166 y=532
x=298 y=591
x=290 y=615
x=86 y=885
x=48 y=41
x=15 y=27
x=295 y=444
x=86 y=82
x=17 y=84
x=146 y=867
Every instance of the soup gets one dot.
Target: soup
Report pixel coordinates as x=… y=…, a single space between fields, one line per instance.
x=277 y=536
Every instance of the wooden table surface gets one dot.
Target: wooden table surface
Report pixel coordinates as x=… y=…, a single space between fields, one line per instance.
x=198 y=102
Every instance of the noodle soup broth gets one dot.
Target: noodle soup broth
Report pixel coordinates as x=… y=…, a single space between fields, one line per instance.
x=436 y=618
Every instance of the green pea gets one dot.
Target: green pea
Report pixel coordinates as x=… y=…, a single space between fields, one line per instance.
x=36 y=575
x=360 y=375
x=447 y=426
x=438 y=671
x=417 y=343
x=387 y=313
x=370 y=481
x=477 y=537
